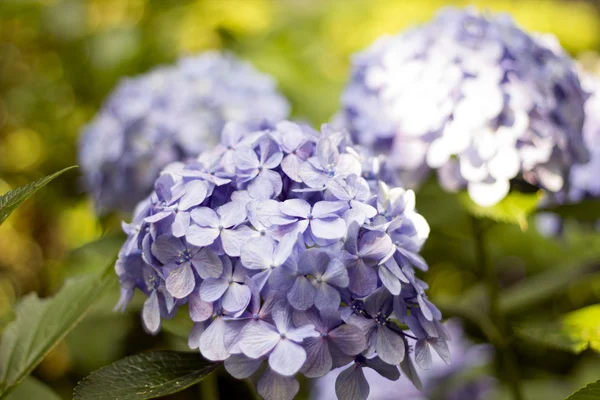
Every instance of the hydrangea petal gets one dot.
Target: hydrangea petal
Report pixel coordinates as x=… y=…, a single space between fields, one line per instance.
x=181 y=281
x=287 y=358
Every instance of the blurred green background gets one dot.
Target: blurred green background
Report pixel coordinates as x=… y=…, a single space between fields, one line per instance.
x=60 y=58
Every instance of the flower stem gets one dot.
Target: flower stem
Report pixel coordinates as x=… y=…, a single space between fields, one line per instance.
x=501 y=342
x=208 y=388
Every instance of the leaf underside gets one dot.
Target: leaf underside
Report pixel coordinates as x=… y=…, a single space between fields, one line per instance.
x=41 y=323
x=145 y=376
x=590 y=392
x=12 y=199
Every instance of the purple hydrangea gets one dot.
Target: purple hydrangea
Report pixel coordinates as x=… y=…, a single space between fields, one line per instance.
x=472 y=96
x=170 y=114
x=292 y=255
x=439 y=381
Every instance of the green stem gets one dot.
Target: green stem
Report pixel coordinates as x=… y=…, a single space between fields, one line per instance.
x=501 y=342
x=208 y=388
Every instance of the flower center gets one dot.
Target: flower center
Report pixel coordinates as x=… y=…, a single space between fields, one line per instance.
x=381 y=319
x=358 y=306
x=183 y=257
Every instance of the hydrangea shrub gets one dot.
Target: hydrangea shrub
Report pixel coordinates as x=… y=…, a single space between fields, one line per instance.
x=170 y=114
x=473 y=97
x=292 y=257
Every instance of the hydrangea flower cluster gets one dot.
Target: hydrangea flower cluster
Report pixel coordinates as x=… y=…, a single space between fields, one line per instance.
x=475 y=98
x=291 y=255
x=166 y=115
x=458 y=381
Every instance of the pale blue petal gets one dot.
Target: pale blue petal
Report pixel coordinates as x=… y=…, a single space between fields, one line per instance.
x=389 y=280
x=207 y=264
x=386 y=370
x=291 y=166
x=336 y=274
x=195 y=193
x=205 y=216
x=282 y=316
x=284 y=248
x=246 y=159
x=236 y=297
x=422 y=354
x=349 y=339
x=233 y=239
x=411 y=372
x=295 y=208
x=323 y=209
x=266 y=185
x=181 y=281
x=166 y=248
x=326 y=296
x=311 y=176
x=258 y=338
x=241 y=367
x=328 y=228
x=199 y=309
x=273 y=386
x=363 y=279
x=159 y=216
x=287 y=358
x=151 y=313
x=375 y=246
x=302 y=293
x=212 y=289
x=232 y=214
x=318 y=358
x=301 y=333
x=257 y=253
x=441 y=347
x=390 y=346
x=194 y=338
x=351 y=384
x=180 y=223
x=212 y=341
x=314 y=261
x=199 y=236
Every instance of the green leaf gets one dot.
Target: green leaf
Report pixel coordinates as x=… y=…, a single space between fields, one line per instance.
x=12 y=199
x=145 y=376
x=573 y=332
x=586 y=210
x=590 y=392
x=32 y=388
x=41 y=323
x=513 y=209
x=545 y=285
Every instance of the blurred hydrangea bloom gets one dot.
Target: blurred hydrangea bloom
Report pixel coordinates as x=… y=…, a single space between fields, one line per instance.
x=291 y=254
x=455 y=382
x=166 y=115
x=475 y=98
x=583 y=181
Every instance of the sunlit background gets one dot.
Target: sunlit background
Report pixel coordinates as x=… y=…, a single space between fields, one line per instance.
x=59 y=59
